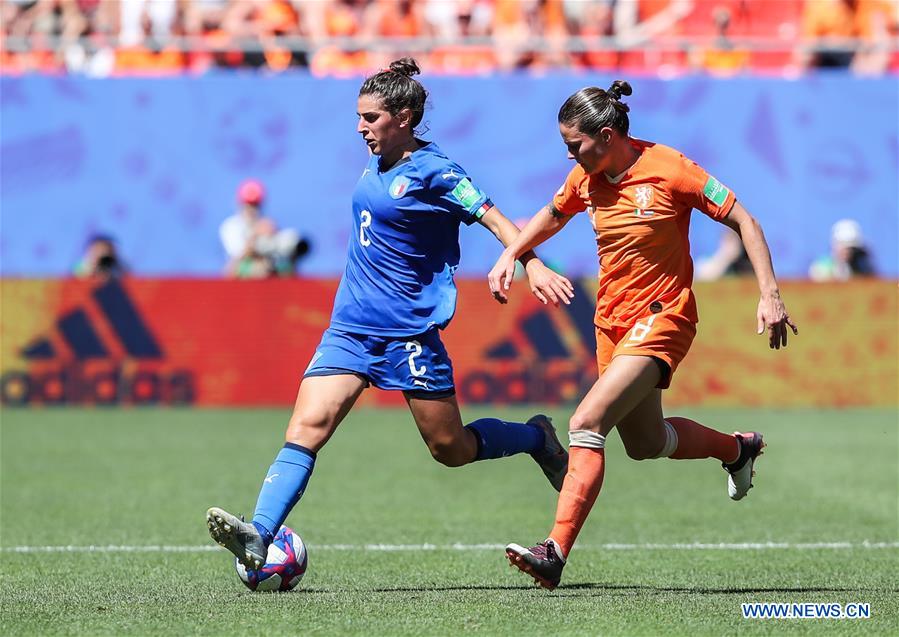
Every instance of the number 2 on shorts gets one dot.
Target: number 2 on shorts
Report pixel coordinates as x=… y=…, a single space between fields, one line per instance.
x=415 y=348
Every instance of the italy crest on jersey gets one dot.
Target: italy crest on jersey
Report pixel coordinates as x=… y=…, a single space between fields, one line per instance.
x=399 y=186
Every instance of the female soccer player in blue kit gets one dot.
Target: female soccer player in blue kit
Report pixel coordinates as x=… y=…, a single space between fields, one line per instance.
x=396 y=294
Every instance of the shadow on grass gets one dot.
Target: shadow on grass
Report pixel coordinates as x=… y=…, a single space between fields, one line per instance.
x=587 y=587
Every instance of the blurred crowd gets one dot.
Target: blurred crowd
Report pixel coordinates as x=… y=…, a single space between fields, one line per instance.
x=255 y=247
x=352 y=37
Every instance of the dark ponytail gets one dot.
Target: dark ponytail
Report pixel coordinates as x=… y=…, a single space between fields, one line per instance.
x=398 y=89
x=591 y=109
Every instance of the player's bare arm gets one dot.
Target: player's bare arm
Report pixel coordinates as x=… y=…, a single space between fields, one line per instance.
x=772 y=313
x=543 y=225
x=546 y=285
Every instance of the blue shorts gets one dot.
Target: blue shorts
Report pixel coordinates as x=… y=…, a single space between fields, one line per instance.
x=417 y=365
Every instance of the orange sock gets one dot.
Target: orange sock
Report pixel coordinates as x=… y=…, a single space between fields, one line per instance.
x=696 y=441
x=582 y=484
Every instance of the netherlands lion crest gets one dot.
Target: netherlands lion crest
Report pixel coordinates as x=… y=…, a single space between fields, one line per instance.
x=643 y=196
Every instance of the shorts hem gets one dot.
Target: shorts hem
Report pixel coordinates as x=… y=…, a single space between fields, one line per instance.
x=337 y=371
x=666 y=370
x=423 y=394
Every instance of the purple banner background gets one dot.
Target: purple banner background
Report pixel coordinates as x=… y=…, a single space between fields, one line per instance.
x=155 y=162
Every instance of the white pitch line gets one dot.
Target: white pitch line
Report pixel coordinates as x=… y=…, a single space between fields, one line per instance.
x=695 y=546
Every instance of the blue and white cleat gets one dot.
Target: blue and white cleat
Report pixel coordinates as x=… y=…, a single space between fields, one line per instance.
x=239 y=537
x=740 y=472
x=544 y=562
x=553 y=458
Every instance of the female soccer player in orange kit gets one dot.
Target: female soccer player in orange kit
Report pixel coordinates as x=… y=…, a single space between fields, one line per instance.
x=639 y=196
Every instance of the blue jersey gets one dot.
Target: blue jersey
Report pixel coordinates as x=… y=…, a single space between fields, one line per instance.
x=404 y=248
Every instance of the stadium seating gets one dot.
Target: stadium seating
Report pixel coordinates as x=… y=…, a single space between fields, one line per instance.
x=344 y=37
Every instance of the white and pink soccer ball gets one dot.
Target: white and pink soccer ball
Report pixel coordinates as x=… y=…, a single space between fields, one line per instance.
x=285 y=564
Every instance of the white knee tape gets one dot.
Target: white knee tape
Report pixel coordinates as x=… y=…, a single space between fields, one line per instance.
x=586 y=439
x=670 y=441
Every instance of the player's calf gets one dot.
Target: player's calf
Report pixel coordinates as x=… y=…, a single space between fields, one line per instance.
x=552 y=457
x=450 y=456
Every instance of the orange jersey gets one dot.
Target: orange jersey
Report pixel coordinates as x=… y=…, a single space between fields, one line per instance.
x=641 y=221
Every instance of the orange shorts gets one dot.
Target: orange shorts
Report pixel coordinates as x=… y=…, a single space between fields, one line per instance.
x=666 y=336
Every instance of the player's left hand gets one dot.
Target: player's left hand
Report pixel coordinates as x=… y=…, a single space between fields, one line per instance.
x=548 y=286
x=772 y=313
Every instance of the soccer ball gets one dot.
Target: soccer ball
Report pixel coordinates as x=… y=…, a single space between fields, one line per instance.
x=285 y=564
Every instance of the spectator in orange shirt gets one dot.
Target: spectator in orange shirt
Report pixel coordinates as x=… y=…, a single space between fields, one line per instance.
x=639 y=196
x=262 y=21
x=396 y=18
x=511 y=32
x=472 y=20
x=592 y=21
x=848 y=33
x=723 y=58
x=339 y=19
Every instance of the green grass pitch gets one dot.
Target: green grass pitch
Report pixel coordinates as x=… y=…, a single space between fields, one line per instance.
x=140 y=478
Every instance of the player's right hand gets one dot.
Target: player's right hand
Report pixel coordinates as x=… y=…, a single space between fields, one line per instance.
x=500 y=277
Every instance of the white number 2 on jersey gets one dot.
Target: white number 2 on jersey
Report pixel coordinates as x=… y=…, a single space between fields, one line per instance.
x=415 y=348
x=364 y=222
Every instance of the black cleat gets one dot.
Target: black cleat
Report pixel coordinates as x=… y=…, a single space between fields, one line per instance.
x=542 y=562
x=740 y=472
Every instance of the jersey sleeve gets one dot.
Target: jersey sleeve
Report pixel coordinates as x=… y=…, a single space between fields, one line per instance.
x=456 y=194
x=696 y=188
x=568 y=198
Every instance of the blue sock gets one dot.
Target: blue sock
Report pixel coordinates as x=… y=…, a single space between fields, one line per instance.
x=283 y=486
x=498 y=438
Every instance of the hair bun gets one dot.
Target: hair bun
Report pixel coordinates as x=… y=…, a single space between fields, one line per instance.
x=405 y=66
x=619 y=88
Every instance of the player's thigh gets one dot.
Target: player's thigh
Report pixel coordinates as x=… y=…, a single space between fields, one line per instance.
x=440 y=425
x=322 y=403
x=341 y=352
x=643 y=430
x=606 y=341
x=624 y=384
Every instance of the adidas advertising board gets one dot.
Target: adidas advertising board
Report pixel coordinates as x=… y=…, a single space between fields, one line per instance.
x=246 y=343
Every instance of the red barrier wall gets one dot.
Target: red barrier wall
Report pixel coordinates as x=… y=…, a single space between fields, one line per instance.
x=248 y=342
